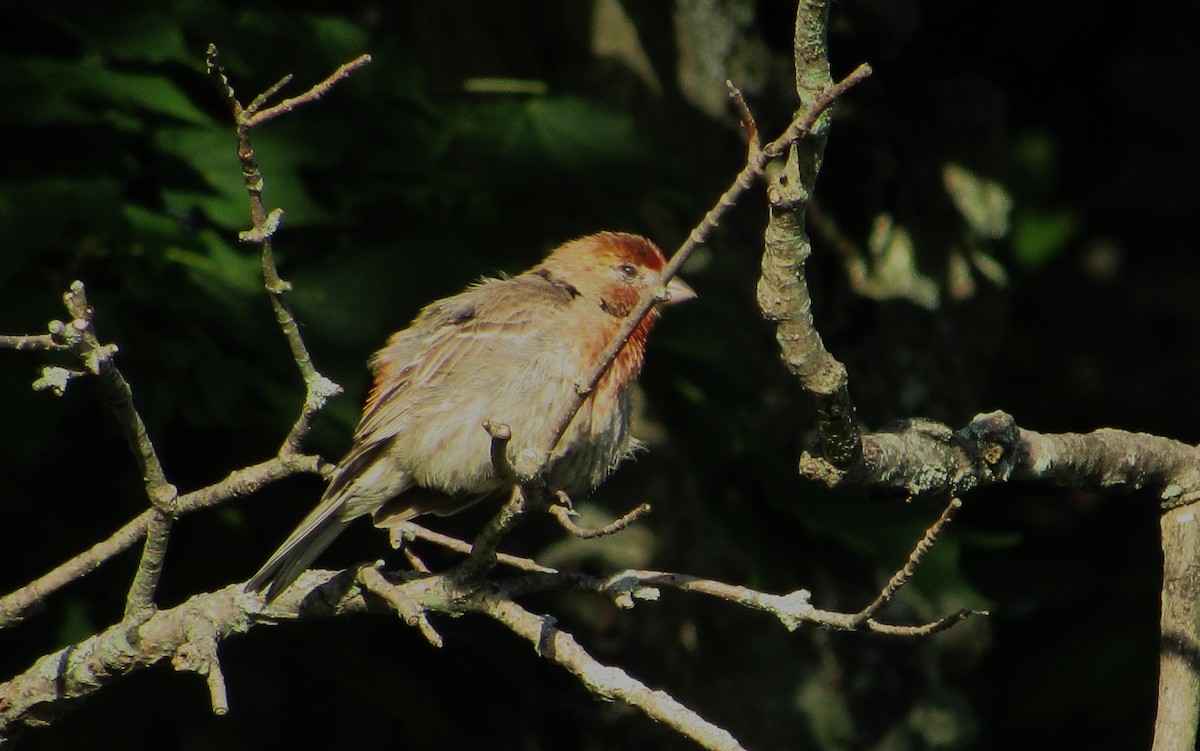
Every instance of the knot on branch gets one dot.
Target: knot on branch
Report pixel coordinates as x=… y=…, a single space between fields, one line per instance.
x=523 y=468
x=991 y=440
x=408 y=607
x=78 y=336
x=263 y=232
x=198 y=654
x=55 y=379
x=922 y=456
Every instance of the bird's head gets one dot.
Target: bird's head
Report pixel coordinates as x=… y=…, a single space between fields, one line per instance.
x=614 y=269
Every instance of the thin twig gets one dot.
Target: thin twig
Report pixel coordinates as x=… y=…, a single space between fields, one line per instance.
x=318 y=388
x=312 y=95
x=411 y=530
x=260 y=101
x=483 y=557
x=793 y=609
x=753 y=142
x=901 y=577
x=14 y=607
x=744 y=181
x=31 y=343
x=199 y=655
x=563 y=513
x=415 y=561
x=80 y=336
x=605 y=681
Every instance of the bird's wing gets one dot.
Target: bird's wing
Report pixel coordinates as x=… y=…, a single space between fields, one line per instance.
x=506 y=316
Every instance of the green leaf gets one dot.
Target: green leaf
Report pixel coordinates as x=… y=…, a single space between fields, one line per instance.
x=566 y=132
x=229 y=274
x=211 y=152
x=91 y=81
x=575 y=133
x=1039 y=237
x=342 y=39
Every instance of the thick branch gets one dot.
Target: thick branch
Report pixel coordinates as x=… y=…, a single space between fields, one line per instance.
x=783 y=294
x=925 y=457
x=1179 y=649
x=191 y=633
x=40 y=693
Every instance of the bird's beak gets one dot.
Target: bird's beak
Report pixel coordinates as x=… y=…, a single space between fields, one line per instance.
x=678 y=291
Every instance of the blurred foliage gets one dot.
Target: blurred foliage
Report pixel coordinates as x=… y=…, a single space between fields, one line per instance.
x=1007 y=204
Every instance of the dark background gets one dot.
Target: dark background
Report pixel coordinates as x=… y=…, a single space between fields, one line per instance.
x=1075 y=309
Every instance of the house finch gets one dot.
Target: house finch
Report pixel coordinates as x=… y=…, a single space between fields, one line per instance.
x=511 y=351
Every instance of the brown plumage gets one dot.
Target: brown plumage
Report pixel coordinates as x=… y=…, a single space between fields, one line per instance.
x=507 y=350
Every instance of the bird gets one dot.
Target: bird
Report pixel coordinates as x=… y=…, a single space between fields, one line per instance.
x=508 y=350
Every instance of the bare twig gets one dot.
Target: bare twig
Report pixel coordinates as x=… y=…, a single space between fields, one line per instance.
x=603 y=680
x=793 y=609
x=79 y=336
x=782 y=293
x=753 y=142
x=198 y=654
x=411 y=613
x=318 y=388
x=901 y=577
x=415 y=561
x=260 y=101
x=410 y=530
x=140 y=599
x=501 y=435
x=31 y=342
x=744 y=181
x=15 y=606
x=189 y=634
x=85 y=667
x=563 y=513
x=522 y=500
x=316 y=92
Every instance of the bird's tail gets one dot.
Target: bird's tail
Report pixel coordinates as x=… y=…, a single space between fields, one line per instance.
x=315 y=533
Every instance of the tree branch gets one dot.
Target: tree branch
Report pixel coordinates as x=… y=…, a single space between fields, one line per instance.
x=923 y=457
x=605 y=681
x=410 y=531
x=901 y=577
x=563 y=512
x=318 y=388
x=79 y=337
x=1179 y=649
x=17 y=605
x=755 y=167
x=190 y=633
x=782 y=293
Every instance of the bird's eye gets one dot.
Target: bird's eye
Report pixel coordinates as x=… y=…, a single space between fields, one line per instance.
x=628 y=269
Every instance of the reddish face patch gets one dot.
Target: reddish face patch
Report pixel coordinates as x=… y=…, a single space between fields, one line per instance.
x=622 y=247
x=609 y=248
